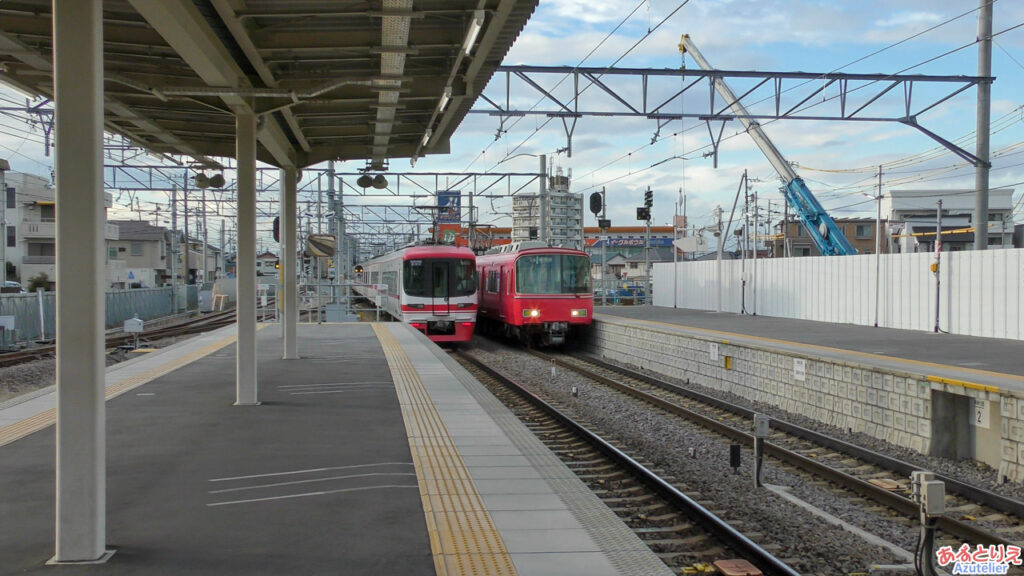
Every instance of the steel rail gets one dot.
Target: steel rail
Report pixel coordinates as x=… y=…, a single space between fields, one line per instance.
x=763 y=559
x=987 y=497
x=885 y=497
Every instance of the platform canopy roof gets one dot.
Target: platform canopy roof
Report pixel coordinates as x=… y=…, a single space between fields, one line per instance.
x=329 y=79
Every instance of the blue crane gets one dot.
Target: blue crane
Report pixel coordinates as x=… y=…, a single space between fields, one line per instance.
x=819 y=225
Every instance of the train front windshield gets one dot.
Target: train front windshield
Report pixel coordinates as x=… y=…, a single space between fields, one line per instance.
x=553 y=274
x=439 y=277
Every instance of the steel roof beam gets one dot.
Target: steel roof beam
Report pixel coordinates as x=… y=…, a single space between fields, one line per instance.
x=227 y=13
x=185 y=29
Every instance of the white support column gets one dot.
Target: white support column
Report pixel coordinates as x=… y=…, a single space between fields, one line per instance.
x=81 y=429
x=245 y=145
x=289 y=178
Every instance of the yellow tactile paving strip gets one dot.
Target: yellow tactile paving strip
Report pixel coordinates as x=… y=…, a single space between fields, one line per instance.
x=463 y=538
x=23 y=428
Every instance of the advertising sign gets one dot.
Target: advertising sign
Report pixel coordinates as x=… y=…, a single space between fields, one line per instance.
x=633 y=242
x=449 y=206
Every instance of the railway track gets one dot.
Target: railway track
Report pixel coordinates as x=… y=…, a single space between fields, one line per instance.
x=973 y=514
x=114 y=340
x=682 y=531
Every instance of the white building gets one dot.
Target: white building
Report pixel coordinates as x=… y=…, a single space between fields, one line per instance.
x=564 y=215
x=31 y=228
x=912 y=216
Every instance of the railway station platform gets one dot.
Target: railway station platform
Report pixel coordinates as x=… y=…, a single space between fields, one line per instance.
x=939 y=394
x=983 y=360
x=374 y=453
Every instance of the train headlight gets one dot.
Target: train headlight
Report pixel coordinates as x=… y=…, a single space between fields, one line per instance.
x=580 y=313
x=531 y=313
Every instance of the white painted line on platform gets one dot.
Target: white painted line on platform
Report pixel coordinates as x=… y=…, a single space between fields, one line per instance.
x=311 y=480
x=345 y=391
x=332 y=384
x=310 y=470
x=323 y=493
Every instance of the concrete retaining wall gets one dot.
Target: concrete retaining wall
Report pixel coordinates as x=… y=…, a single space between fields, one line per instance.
x=926 y=414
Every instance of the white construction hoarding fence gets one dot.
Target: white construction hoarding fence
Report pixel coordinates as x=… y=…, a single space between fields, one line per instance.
x=842 y=289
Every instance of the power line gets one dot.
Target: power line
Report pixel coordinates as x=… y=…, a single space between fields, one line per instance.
x=559 y=83
x=946 y=22
x=650 y=31
x=809 y=106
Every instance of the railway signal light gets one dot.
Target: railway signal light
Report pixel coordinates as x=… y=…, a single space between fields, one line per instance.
x=643 y=213
x=648 y=198
x=277 y=228
x=596 y=203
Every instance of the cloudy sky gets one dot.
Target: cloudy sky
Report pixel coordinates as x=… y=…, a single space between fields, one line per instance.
x=838 y=160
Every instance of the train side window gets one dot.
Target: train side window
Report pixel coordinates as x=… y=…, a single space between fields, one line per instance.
x=494 y=281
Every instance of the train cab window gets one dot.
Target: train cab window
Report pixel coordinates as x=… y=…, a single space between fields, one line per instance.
x=553 y=274
x=439 y=278
x=413 y=278
x=465 y=278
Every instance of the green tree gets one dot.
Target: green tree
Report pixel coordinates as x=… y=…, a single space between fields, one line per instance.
x=37 y=282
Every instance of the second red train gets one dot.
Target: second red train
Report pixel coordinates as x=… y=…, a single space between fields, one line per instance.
x=535 y=293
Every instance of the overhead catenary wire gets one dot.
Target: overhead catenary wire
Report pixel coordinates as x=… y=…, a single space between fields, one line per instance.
x=559 y=83
x=650 y=31
x=795 y=87
x=743 y=132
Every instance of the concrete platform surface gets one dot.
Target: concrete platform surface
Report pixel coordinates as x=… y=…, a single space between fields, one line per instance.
x=316 y=480
x=987 y=361
x=374 y=453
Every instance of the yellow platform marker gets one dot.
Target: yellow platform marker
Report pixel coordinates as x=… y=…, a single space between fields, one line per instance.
x=32 y=424
x=463 y=538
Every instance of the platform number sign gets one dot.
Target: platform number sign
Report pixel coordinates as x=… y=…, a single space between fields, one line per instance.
x=799 y=369
x=981 y=414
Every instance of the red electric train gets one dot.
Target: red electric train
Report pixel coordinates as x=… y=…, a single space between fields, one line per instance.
x=538 y=294
x=431 y=287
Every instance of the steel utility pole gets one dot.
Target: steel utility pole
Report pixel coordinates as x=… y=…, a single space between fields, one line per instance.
x=746 y=243
x=984 y=114
x=174 y=248
x=878 y=242
x=675 y=251
x=604 y=248
x=647 y=262
x=757 y=224
x=718 y=262
x=4 y=167
x=222 y=266
x=184 y=192
x=543 y=232
x=938 y=260
x=205 y=237
x=333 y=227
